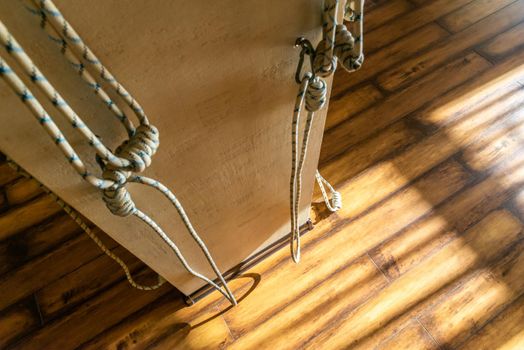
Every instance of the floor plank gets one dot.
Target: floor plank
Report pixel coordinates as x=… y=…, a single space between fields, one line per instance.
x=425 y=145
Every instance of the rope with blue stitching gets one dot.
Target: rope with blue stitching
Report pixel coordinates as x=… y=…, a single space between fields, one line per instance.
x=337 y=45
x=133 y=156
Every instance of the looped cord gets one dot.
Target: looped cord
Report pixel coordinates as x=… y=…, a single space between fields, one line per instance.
x=338 y=43
x=132 y=156
x=335 y=203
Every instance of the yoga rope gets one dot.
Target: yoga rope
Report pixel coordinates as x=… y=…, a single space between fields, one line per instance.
x=131 y=157
x=90 y=233
x=337 y=45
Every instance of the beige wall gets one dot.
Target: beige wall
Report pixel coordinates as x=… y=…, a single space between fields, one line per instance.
x=216 y=78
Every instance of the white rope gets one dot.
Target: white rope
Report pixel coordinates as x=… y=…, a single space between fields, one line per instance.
x=337 y=44
x=335 y=203
x=132 y=156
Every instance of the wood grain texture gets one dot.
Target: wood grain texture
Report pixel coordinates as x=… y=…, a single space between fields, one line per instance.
x=427 y=252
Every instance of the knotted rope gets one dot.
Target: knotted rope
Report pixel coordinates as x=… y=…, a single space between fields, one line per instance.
x=337 y=44
x=131 y=157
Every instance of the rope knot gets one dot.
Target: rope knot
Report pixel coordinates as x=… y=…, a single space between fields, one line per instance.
x=140 y=148
x=336 y=201
x=316 y=94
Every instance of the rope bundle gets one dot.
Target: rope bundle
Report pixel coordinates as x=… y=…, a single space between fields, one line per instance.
x=337 y=45
x=118 y=168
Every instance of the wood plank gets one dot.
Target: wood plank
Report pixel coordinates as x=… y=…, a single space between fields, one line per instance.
x=343 y=243
x=168 y=324
x=503 y=333
x=423 y=239
x=37 y=240
x=358 y=158
x=415 y=19
x=472 y=13
x=302 y=319
x=413 y=336
x=7 y=174
x=482 y=243
x=478 y=300
x=22 y=191
x=17 y=321
x=84 y=282
x=92 y=318
x=21 y=218
x=402 y=103
x=416 y=67
x=505 y=43
x=45 y=269
x=388 y=11
x=344 y=108
x=501 y=141
x=388 y=56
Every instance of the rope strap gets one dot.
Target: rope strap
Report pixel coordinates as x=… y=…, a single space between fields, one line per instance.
x=337 y=45
x=133 y=156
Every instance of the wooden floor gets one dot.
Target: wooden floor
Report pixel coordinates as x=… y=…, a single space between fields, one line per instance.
x=426 y=145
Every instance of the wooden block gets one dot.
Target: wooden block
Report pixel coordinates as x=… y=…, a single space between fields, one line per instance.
x=7 y=174
x=84 y=282
x=22 y=191
x=388 y=56
x=425 y=63
x=505 y=43
x=472 y=13
x=402 y=103
x=350 y=104
x=17 y=321
x=37 y=240
x=391 y=140
x=342 y=242
x=412 y=336
x=415 y=19
x=45 y=269
x=21 y=218
x=482 y=243
x=462 y=313
x=92 y=318
x=504 y=332
x=348 y=287
x=384 y=13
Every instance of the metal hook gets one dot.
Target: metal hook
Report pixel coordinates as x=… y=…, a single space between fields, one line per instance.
x=307 y=49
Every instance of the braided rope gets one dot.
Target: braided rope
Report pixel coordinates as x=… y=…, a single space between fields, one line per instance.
x=337 y=44
x=133 y=155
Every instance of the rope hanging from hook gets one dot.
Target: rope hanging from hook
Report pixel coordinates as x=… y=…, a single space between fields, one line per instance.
x=338 y=45
x=132 y=157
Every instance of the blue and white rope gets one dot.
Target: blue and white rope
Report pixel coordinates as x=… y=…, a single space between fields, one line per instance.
x=132 y=156
x=337 y=44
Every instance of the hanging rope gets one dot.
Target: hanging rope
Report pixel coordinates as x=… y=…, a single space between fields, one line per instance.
x=131 y=157
x=337 y=45
x=90 y=233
